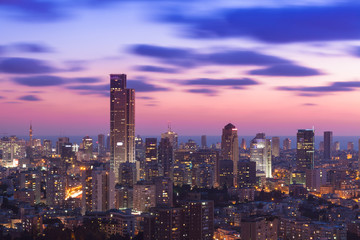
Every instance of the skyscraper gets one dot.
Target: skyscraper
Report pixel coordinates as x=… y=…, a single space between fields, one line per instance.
x=172 y=136
x=305 y=149
x=230 y=147
x=260 y=152
x=275 y=146
x=203 y=142
x=287 y=144
x=101 y=145
x=328 y=142
x=122 y=123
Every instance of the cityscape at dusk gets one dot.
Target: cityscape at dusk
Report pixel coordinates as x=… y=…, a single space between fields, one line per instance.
x=179 y=120
x=271 y=66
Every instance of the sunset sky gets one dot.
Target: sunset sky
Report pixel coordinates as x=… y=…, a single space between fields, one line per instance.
x=265 y=66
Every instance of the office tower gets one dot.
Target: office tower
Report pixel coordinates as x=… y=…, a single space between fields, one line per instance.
x=226 y=173
x=55 y=189
x=305 y=149
x=163 y=192
x=321 y=146
x=337 y=146
x=198 y=222
x=260 y=152
x=144 y=196
x=230 y=147
x=127 y=174
x=203 y=142
x=101 y=145
x=151 y=150
x=243 y=144
x=350 y=146
x=172 y=136
x=87 y=145
x=152 y=168
x=60 y=143
x=47 y=148
x=122 y=123
x=287 y=144
x=165 y=156
x=275 y=146
x=328 y=143
x=246 y=174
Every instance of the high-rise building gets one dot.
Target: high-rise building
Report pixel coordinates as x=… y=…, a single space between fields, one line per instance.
x=305 y=149
x=47 y=147
x=55 y=190
x=172 y=136
x=287 y=144
x=87 y=146
x=328 y=142
x=165 y=156
x=101 y=145
x=321 y=146
x=198 y=222
x=337 y=146
x=275 y=146
x=246 y=174
x=230 y=147
x=203 y=142
x=144 y=196
x=163 y=192
x=122 y=123
x=243 y=144
x=60 y=143
x=151 y=150
x=260 y=152
x=350 y=146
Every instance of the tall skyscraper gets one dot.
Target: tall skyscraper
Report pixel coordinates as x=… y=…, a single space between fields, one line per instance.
x=172 y=136
x=203 y=142
x=165 y=156
x=101 y=145
x=122 y=123
x=260 y=152
x=230 y=147
x=328 y=142
x=305 y=149
x=275 y=146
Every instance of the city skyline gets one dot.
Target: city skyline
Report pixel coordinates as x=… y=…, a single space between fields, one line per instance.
x=55 y=58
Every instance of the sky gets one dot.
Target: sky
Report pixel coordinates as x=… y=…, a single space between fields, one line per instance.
x=265 y=66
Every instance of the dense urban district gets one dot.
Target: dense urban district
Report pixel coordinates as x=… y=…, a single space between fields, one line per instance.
x=127 y=187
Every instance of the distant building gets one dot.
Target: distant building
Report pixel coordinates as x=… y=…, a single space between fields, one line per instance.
x=101 y=145
x=203 y=142
x=328 y=143
x=259 y=227
x=144 y=196
x=350 y=146
x=165 y=156
x=246 y=174
x=275 y=146
x=287 y=144
x=243 y=144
